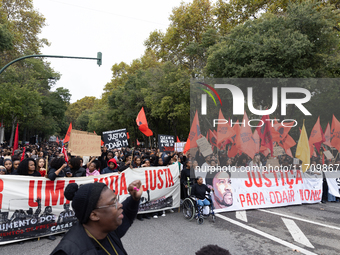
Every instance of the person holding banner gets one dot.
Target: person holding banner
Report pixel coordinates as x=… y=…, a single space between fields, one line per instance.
x=58 y=169
x=28 y=167
x=102 y=219
x=75 y=165
x=41 y=163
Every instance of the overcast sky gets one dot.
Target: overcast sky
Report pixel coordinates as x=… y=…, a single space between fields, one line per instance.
x=81 y=28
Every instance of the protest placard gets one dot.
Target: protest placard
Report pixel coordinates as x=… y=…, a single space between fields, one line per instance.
x=278 y=151
x=328 y=154
x=115 y=139
x=204 y=146
x=179 y=147
x=296 y=161
x=166 y=143
x=84 y=143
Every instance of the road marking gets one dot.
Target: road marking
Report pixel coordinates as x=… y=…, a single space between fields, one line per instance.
x=241 y=215
x=301 y=219
x=273 y=238
x=296 y=233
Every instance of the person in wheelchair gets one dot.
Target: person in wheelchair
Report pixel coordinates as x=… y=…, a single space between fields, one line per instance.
x=199 y=191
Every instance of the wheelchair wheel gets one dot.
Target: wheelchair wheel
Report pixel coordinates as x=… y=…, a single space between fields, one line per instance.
x=188 y=209
x=200 y=220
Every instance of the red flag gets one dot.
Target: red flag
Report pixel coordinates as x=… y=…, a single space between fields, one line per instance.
x=315 y=137
x=224 y=131
x=246 y=138
x=207 y=136
x=279 y=132
x=138 y=143
x=63 y=151
x=212 y=138
x=187 y=146
x=195 y=132
x=177 y=139
x=57 y=141
x=127 y=135
x=16 y=139
x=289 y=153
x=23 y=154
x=323 y=158
x=265 y=133
x=287 y=143
x=264 y=150
x=235 y=139
x=256 y=138
x=142 y=123
x=328 y=136
x=68 y=134
x=335 y=133
x=318 y=145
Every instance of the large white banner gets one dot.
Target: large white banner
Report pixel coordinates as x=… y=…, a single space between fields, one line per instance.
x=261 y=189
x=33 y=207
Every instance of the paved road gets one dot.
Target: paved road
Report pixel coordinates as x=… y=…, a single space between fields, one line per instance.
x=303 y=229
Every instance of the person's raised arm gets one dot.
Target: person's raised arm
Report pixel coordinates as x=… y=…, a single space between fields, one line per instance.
x=130 y=207
x=54 y=174
x=88 y=164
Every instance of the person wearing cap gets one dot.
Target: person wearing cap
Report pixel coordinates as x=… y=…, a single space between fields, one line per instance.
x=102 y=219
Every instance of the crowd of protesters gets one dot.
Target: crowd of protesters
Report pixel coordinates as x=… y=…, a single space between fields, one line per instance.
x=48 y=161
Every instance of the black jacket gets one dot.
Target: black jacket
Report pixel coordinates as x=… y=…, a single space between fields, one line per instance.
x=52 y=176
x=79 y=172
x=200 y=190
x=76 y=241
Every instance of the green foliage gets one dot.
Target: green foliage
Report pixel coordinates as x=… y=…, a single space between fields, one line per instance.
x=6 y=38
x=75 y=110
x=300 y=44
x=183 y=40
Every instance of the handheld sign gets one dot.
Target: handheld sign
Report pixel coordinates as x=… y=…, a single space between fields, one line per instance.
x=84 y=143
x=204 y=146
x=166 y=143
x=115 y=139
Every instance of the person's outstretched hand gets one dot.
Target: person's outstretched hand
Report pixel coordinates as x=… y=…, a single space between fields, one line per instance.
x=136 y=189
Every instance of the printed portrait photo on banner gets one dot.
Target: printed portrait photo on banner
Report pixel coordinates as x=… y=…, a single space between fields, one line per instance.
x=220 y=181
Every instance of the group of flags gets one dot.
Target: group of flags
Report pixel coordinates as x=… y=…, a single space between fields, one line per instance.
x=242 y=140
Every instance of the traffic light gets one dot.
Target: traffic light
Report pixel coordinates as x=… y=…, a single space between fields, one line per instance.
x=99 y=58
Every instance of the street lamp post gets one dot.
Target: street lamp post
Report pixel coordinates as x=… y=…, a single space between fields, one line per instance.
x=98 y=58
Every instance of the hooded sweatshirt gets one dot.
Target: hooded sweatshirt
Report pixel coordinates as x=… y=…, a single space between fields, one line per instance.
x=108 y=170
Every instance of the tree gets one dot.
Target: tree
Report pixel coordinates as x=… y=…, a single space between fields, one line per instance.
x=168 y=97
x=230 y=14
x=180 y=44
x=74 y=110
x=300 y=44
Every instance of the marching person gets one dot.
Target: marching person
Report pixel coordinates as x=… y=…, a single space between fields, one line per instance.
x=102 y=219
